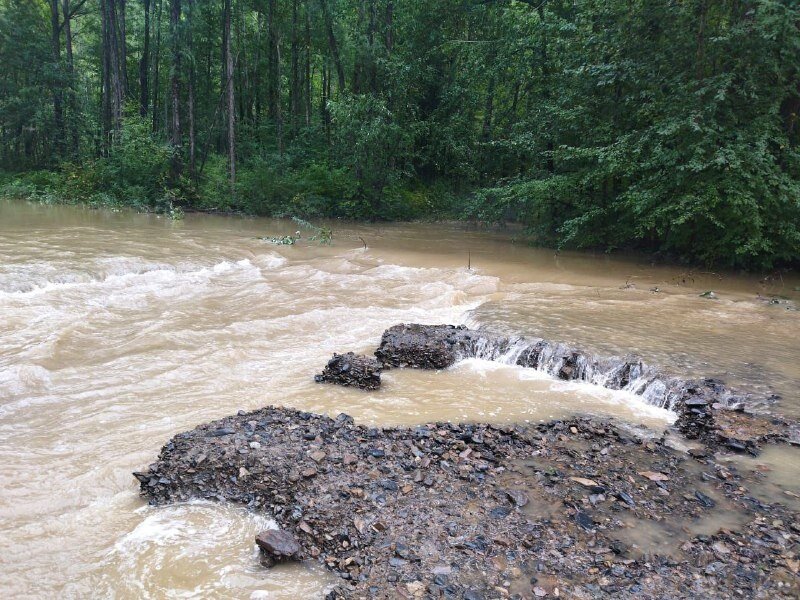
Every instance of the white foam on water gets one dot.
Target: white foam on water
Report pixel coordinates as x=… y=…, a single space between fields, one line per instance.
x=27 y=281
x=202 y=549
x=18 y=379
x=582 y=395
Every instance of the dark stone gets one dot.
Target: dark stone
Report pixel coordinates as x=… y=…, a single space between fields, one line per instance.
x=426 y=346
x=277 y=545
x=736 y=446
x=695 y=402
x=518 y=497
x=704 y=500
x=584 y=520
x=698 y=452
x=352 y=370
x=618 y=547
x=626 y=498
x=222 y=431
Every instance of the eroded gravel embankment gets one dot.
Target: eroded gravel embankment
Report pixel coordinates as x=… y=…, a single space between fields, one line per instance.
x=579 y=508
x=477 y=511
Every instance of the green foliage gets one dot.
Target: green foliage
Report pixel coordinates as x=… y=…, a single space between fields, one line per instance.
x=667 y=127
x=667 y=133
x=323 y=235
x=273 y=186
x=379 y=148
x=285 y=240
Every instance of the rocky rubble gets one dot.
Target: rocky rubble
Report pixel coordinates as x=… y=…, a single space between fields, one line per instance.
x=428 y=346
x=477 y=511
x=352 y=370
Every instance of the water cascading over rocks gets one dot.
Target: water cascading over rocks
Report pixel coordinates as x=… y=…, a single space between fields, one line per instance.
x=441 y=346
x=694 y=401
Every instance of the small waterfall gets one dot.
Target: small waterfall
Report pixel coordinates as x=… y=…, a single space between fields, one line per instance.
x=561 y=361
x=439 y=346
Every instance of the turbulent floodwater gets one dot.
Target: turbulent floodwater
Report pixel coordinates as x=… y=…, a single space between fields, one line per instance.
x=119 y=330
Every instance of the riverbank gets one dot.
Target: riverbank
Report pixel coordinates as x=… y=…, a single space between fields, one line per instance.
x=325 y=198
x=306 y=192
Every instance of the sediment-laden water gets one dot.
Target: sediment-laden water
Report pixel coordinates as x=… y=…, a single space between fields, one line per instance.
x=119 y=330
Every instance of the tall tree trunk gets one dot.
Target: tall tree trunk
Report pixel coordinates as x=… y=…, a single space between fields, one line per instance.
x=58 y=92
x=112 y=88
x=156 y=62
x=358 y=60
x=116 y=44
x=257 y=71
x=144 y=64
x=191 y=103
x=225 y=76
x=175 y=96
x=700 y=51
x=389 y=26
x=123 y=49
x=332 y=44
x=105 y=75
x=278 y=112
x=308 y=66
x=242 y=83
x=72 y=100
x=294 y=83
x=372 y=67
x=231 y=101
x=272 y=64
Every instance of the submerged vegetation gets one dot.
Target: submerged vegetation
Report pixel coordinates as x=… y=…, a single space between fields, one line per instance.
x=662 y=126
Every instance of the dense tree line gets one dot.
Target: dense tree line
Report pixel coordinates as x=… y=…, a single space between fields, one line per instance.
x=668 y=125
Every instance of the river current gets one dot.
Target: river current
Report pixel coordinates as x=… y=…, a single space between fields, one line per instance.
x=119 y=330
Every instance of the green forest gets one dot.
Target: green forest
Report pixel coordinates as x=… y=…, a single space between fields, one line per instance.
x=664 y=126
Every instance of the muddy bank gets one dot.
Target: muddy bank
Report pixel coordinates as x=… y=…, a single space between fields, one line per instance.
x=477 y=511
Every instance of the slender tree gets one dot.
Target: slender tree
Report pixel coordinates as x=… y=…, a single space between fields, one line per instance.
x=144 y=64
x=58 y=92
x=175 y=88
x=231 y=101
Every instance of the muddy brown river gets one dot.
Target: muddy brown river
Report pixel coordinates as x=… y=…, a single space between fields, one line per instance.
x=119 y=330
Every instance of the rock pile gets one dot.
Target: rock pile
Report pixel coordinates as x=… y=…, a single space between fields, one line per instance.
x=481 y=511
x=352 y=370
